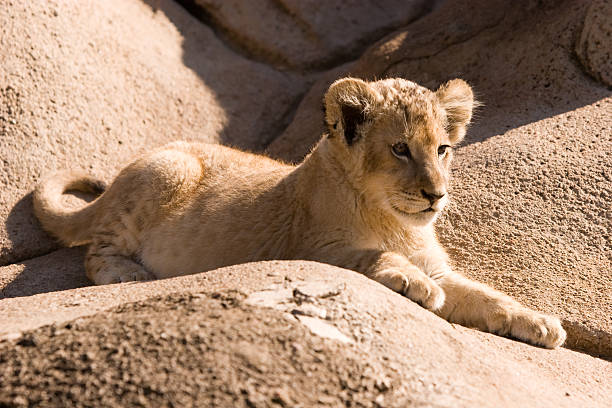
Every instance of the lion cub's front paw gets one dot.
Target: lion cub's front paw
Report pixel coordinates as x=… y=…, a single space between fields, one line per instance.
x=125 y=273
x=531 y=326
x=415 y=285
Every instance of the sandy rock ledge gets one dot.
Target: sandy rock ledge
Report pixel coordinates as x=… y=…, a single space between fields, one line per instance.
x=201 y=339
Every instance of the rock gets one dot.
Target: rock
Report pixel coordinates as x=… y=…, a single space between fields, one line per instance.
x=318 y=290
x=307 y=309
x=164 y=341
x=274 y=297
x=594 y=46
x=301 y=300
x=86 y=84
x=529 y=211
x=547 y=245
x=307 y=125
x=60 y=270
x=299 y=34
x=90 y=85
x=322 y=328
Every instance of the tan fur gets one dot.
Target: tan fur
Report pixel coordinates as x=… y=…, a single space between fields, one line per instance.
x=354 y=202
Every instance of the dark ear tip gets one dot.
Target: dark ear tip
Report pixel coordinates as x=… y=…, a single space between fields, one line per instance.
x=346 y=102
x=352 y=116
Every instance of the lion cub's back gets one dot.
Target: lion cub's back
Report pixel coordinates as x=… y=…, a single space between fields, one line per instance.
x=178 y=172
x=215 y=201
x=222 y=161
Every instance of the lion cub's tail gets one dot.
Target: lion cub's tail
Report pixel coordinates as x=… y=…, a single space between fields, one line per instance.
x=71 y=226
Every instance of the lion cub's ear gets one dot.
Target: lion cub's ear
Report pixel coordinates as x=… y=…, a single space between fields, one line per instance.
x=457 y=99
x=348 y=102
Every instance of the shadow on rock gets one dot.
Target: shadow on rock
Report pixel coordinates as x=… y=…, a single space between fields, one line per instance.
x=21 y=218
x=33 y=273
x=258 y=100
x=60 y=270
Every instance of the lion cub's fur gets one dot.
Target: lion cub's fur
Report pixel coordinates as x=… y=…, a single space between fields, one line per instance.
x=365 y=199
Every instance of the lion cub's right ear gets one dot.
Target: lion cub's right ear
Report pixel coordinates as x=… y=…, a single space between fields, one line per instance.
x=348 y=103
x=457 y=99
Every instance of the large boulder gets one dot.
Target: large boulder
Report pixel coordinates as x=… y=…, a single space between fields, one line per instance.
x=305 y=35
x=593 y=46
x=273 y=334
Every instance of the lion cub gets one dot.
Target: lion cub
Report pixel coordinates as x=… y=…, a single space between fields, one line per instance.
x=365 y=199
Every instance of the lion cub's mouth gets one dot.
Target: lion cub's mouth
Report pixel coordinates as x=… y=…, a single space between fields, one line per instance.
x=427 y=210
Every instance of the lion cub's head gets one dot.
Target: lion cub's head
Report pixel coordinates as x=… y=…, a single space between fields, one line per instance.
x=395 y=139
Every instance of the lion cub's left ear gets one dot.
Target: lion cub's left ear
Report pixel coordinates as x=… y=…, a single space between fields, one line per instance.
x=348 y=105
x=457 y=99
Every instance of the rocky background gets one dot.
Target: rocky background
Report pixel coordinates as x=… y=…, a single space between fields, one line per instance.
x=92 y=84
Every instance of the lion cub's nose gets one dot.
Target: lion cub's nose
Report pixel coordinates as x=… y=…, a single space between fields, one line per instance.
x=433 y=196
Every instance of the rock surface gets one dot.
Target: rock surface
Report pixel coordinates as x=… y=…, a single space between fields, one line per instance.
x=303 y=35
x=198 y=339
x=90 y=84
x=594 y=47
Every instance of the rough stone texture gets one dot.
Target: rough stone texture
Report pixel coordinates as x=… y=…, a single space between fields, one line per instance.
x=90 y=84
x=307 y=125
x=530 y=212
x=196 y=340
x=299 y=34
x=59 y=270
x=594 y=45
x=531 y=216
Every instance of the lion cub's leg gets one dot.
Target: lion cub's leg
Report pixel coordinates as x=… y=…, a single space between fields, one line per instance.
x=474 y=304
x=397 y=273
x=105 y=265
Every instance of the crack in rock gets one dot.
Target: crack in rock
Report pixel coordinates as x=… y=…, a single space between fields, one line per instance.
x=300 y=302
x=322 y=328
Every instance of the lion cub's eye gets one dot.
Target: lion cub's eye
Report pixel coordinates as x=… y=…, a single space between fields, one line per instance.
x=442 y=150
x=401 y=150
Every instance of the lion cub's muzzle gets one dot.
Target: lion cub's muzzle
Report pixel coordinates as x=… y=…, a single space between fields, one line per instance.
x=440 y=203
x=437 y=200
x=419 y=203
